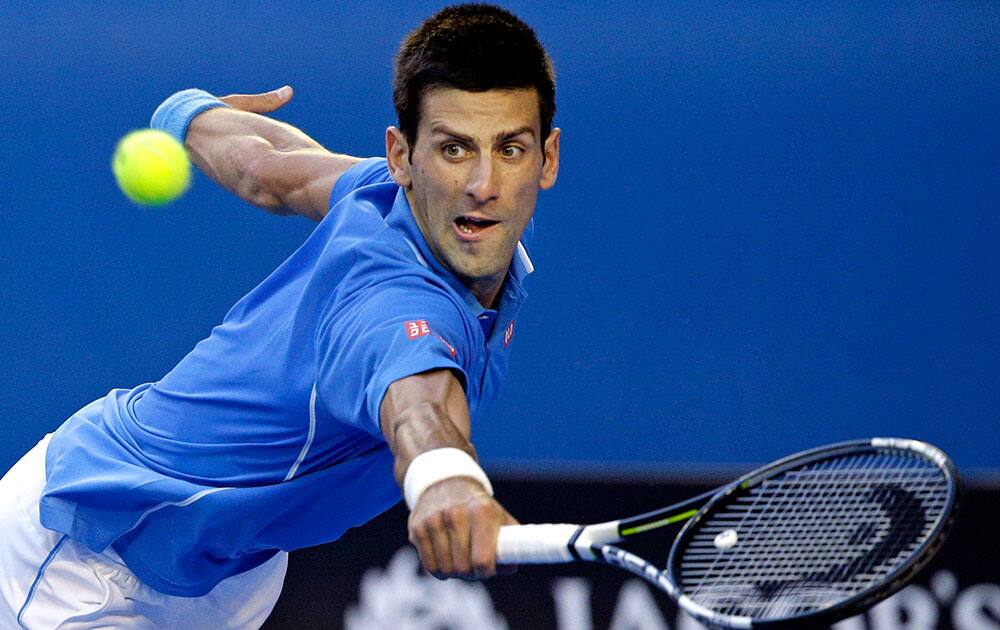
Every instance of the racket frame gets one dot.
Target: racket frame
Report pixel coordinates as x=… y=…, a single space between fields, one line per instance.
x=860 y=602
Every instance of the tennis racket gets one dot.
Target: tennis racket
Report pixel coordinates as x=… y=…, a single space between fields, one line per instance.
x=805 y=541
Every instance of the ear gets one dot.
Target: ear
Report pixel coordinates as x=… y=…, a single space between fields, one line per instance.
x=397 y=154
x=550 y=169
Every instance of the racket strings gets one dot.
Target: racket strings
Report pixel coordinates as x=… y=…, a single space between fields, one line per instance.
x=814 y=535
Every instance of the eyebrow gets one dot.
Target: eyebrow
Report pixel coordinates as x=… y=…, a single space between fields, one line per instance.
x=507 y=135
x=498 y=138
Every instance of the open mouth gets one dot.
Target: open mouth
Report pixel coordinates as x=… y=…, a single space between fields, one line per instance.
x=471 y=225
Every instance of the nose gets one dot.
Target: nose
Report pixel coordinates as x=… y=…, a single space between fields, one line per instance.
x=483 y=184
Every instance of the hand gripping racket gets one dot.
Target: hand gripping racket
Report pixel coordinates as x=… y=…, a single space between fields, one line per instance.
x=808 y=540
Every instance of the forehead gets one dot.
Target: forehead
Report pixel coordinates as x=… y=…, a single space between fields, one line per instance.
x=480 y=113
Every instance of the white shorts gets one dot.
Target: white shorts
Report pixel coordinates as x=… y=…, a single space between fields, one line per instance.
x=49 y=581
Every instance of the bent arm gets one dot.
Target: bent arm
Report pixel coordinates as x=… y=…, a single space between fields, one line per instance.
x=265 y=162
x=454 y=524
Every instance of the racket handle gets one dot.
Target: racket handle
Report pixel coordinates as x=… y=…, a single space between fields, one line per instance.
x=535 y=544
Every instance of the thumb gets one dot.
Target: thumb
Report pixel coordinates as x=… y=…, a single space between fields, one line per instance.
x=259 y=103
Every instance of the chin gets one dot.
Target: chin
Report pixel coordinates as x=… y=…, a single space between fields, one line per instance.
x=468 y=275
x=475 y=273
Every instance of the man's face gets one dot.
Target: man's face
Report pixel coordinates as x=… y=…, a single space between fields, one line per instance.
x=473 y=177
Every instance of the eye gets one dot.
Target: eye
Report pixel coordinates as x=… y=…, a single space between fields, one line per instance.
x=511 y=151
x=453 y=150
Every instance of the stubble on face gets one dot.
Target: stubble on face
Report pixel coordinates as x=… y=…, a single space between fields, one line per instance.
x=475 y=172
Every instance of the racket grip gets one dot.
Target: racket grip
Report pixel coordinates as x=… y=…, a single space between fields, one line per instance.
x=535 y=544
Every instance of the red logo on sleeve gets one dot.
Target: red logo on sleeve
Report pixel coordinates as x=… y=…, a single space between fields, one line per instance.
x=508 y=334
x=417 y=328
x=451 y=348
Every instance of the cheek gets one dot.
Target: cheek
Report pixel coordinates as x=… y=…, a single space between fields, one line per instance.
x=526 y=199
x=437 y=182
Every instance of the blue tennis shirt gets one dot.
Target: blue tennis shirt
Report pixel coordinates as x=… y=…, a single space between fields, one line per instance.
x=266 y=436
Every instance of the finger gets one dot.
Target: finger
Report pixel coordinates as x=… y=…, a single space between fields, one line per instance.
x=260 y=103
x=420 y=538
x=438 y=535
x=459 y=534
x=485 y=528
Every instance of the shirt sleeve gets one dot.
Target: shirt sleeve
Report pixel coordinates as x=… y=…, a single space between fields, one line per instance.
x=387 y=334
x=371 y=171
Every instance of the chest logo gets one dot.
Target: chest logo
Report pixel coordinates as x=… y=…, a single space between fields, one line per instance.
x=508 y=334
x=417 y=328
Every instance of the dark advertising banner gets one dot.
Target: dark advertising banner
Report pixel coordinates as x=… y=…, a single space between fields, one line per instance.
x=371 y=579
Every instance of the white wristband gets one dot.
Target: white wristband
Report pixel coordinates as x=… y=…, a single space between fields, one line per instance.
x=438 y=464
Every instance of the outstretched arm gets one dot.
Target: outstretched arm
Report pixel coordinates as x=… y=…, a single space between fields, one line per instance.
x=455 y=522
x=265 y=162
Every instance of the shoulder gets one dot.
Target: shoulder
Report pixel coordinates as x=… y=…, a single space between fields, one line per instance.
x=368 y=172
x=383 y=288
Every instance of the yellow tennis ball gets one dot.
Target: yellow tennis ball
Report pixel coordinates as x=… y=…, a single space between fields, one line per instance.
x=151 y=167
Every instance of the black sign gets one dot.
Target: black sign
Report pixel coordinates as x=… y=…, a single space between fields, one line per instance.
x=371 y=579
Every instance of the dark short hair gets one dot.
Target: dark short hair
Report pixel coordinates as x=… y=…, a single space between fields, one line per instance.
x=471 y=47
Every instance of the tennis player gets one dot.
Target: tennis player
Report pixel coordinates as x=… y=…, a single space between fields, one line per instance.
x=351 y=372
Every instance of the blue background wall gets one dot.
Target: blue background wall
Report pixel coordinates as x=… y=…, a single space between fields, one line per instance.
x=775 y=225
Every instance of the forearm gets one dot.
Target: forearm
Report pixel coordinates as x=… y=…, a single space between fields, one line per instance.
x=422 y=413
x=225 y=145
x=266 y=162
x=280 y=135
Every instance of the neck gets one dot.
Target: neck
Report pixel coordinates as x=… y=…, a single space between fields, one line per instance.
x=486 y=292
